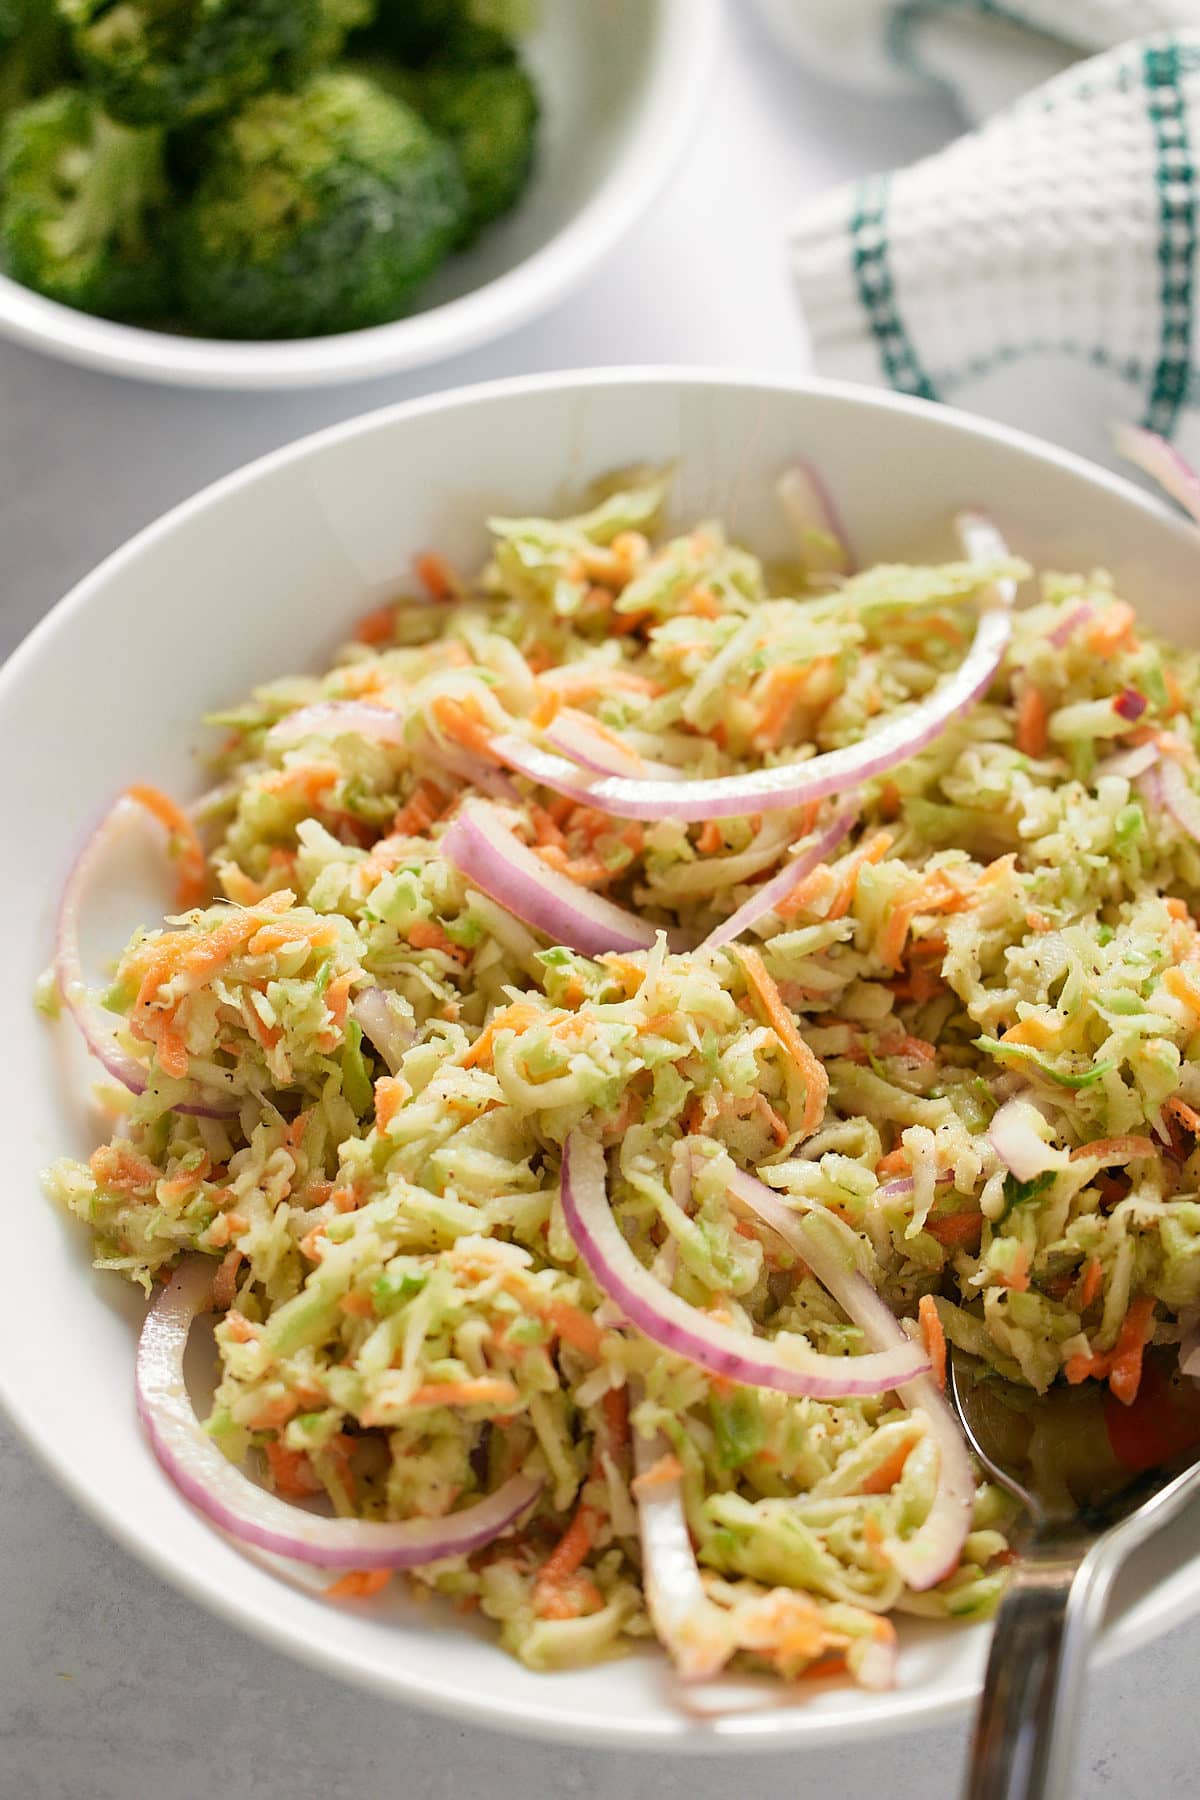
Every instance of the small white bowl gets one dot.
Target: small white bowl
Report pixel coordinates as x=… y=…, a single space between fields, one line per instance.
x=262 y=574
x=621 y=83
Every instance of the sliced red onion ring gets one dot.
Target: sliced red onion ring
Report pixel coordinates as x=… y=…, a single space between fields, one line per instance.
x=572 y=734
x=390 y=1036
x=1014 y=1136
x=765 y=898
x=1162 y=462
x=338 y=718
x=1068 y=626
x=483 y=849
x=813 y=520
x=933 y=1551
x=235 y=1504
x=1128 y=763
x=904 y=1185
x=1179 y=796
x=77 y=997
x=695 y=1633
x=384 y=725
x=898 y=738
x=787 y=1365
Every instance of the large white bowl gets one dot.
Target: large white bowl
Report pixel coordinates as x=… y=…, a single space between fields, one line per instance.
x=261 y=574
x=621 y=82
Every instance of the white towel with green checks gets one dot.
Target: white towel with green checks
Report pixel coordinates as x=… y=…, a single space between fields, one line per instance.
x=1043 y=268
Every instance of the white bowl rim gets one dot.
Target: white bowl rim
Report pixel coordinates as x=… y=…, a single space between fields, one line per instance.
x=908 y=1709
x=683 y=62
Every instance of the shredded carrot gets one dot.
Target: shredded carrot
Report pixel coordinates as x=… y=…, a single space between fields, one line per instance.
x=1032 y=736
x=376 y=627
x=478 y=1390
x=437 y=576
x=1126 y=1372
x=391 y=1091
x=122 y=1169
x=224 y=1285
x=292 y=1472
x=358 y=1584
x=615 y=1407
x=580 y=683
x=571 y=1550
x=426 y=803
x=1176 y=908
x=894 y=1163
x=816 y=1082
x=193 y=885
x=955 y=1230
x=889 y=800
x=1017 y=1278
x=873 y=851
x=1187 y=1115
x=1175 y=694
x=1115 y=1149
x=1091 y=1281
x=710 y=841
x=934 y=1336
x=782 y=687
x=301 y=781
x=934 y=895
x=427 y=934
x=884 y=1478
x=668 y=1468
x=517 y=1017
x=357 y=1305
x=1113 y=630
x=1184 y=987
x=1038 y=1033
x=459 y=722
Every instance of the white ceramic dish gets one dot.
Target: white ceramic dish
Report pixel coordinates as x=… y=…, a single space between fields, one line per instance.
x=621 y=82
x=262 y=573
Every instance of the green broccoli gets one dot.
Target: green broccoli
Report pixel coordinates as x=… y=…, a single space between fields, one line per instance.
x=164 y=62
x=490 y=117
x=33 y=52
x=82 y=204
x=460 y=31
x=318 y=211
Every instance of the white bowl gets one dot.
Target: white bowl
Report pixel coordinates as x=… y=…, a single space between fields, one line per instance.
x=621 y=82
x=262 y=573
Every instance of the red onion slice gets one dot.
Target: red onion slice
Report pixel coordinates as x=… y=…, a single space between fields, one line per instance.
x=898 y=738
x=1128 y=763
x=765 y=898
x=483 y=849
x=695 y=1633
x=572 y=734
x=1179 y=797
x=1066 y=628
x=339 y=718
x=390 y=1036
x=235 y=1504
x=813 y=520
x=77 y=997
x=1162 y=462
x=788 y=1366
x=934 y=1549
x=1019 y=1145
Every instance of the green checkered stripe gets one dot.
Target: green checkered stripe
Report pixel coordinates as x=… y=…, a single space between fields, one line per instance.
x=1163 y=67
x=876 y=291
x=1169 y=380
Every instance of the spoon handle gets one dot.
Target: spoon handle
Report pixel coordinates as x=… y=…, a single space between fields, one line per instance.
x=1026 y=1725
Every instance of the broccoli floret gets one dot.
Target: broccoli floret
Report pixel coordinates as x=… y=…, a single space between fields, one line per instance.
x=33 y=52
x=81 y=208
x=490 y=117
x=467 y=32
x=164 y=62
x=319 y=211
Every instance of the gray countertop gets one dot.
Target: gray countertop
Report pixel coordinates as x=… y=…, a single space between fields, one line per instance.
x=111 y=1683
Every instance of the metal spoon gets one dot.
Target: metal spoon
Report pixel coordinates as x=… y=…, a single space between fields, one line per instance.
x=1027 y=1723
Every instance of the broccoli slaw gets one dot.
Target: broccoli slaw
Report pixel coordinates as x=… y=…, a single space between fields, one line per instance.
x=561 y=1158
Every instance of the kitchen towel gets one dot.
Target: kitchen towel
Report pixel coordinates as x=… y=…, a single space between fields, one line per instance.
x=1043 y=268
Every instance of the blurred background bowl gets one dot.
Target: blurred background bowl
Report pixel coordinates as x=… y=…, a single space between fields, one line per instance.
x=620 y=82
